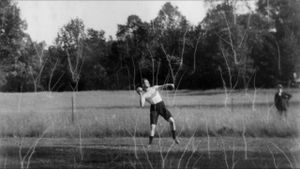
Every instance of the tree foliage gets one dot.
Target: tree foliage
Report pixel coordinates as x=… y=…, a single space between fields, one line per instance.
x=227 y=49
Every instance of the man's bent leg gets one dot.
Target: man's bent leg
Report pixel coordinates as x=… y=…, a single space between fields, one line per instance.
x=173 y=129
x=172 y=124
x=285 y=116
x=152 y=133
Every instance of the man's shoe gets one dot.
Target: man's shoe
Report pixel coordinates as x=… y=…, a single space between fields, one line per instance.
x=176 y=141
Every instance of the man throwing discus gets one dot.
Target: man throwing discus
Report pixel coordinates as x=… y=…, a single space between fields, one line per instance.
x=153 y=97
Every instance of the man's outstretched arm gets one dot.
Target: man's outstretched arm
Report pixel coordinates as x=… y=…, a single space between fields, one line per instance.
x=165 y=86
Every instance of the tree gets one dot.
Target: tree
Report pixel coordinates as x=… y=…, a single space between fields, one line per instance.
x=284 y=21
x=34 y=60
x=233 y=55
x=11 y=43
x=132 y=38
x=70 y=43
x=94 y=73
x=169 y=40
x=55 y=72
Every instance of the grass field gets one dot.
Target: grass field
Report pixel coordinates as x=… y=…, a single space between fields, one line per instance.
x=109 y=130
x=125 y=152
x=116 y=113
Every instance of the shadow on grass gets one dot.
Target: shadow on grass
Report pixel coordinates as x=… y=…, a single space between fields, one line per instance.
x=119 y=158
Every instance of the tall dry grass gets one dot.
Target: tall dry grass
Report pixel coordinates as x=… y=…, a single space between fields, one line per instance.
x=116 y=113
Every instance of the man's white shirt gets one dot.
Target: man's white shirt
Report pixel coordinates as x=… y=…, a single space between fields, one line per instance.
x=152 y=95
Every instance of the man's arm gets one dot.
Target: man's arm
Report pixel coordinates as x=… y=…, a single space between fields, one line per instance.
x=142 y=100
x=288 y=96
x=164 y=86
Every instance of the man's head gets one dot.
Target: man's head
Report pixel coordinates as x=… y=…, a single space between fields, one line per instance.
x=145 y=83
x=279 y=88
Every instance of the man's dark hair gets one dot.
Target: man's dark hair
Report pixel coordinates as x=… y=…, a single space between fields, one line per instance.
x=143 y=79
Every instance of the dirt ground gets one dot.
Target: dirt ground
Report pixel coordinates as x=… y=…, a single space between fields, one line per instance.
x=132 y=152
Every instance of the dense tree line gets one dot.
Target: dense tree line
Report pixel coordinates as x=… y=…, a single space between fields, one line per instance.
x=227 y=49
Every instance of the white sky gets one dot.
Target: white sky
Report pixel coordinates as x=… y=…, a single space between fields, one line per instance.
x=45 y=18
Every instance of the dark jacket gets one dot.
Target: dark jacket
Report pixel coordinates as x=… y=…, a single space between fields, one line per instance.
x=282 y=102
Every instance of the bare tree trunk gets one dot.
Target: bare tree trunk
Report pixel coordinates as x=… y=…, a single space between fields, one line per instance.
x=73 y=107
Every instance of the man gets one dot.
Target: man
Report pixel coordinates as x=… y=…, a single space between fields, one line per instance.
x=282 y=101
x=152 y=96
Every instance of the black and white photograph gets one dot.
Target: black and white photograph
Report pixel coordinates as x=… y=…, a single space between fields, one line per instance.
x=149 y=84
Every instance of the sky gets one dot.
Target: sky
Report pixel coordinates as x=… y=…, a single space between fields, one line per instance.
x=45 y=18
